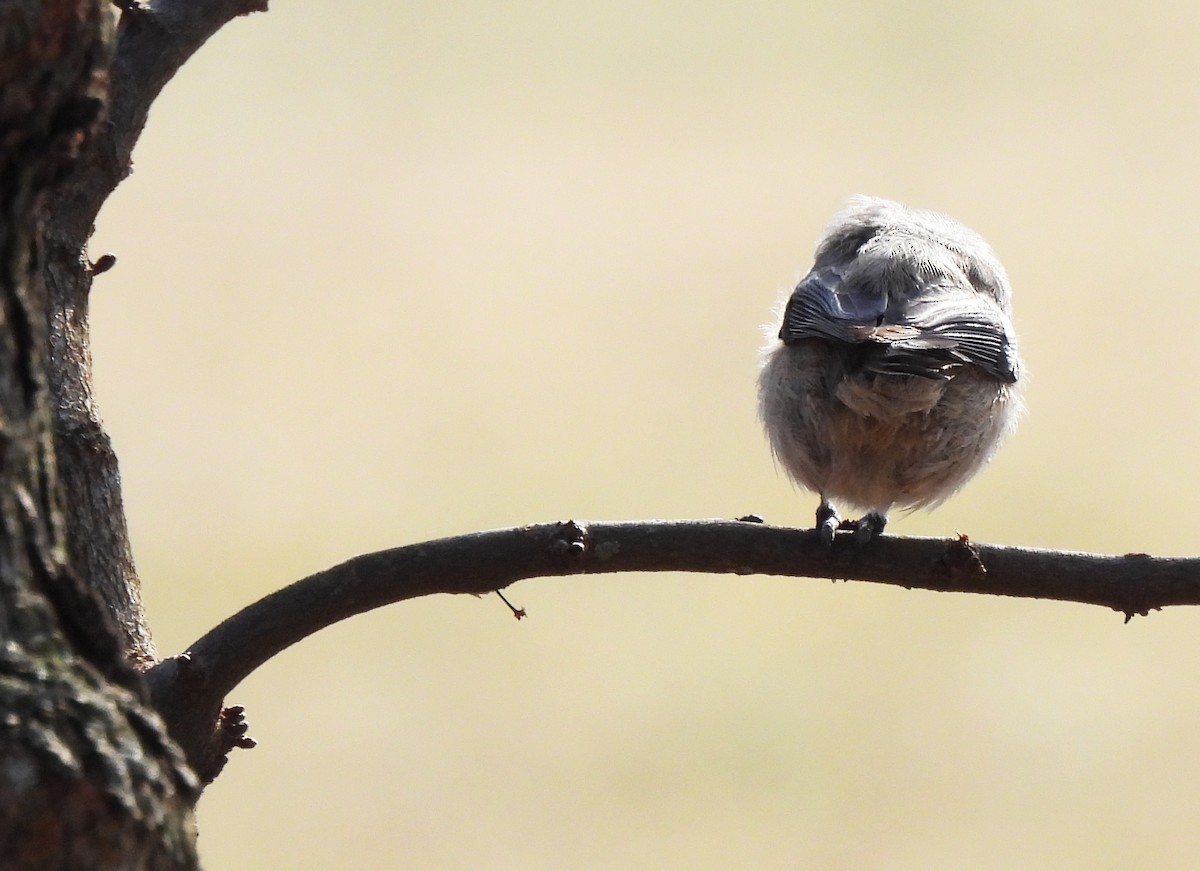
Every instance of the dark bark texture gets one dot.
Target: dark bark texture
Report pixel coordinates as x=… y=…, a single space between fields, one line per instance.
x=152 y=41
x=88 y=778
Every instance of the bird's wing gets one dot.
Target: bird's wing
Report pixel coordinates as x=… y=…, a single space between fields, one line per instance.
x=821 y=307
x=961 y=326
x=929 y=334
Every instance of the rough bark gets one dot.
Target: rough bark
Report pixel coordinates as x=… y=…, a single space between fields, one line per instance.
x=88 y=778
x=152 y=41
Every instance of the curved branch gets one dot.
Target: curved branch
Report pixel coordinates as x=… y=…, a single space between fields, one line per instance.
x=189 y=690
x=154 y=39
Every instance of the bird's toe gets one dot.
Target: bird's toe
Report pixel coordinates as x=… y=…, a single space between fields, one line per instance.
x=868 y=527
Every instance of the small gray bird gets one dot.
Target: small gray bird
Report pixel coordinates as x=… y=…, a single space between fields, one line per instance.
x=895 y=375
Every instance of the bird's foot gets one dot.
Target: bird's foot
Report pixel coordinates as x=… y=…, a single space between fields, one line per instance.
x=868 y=527
x=828 y=521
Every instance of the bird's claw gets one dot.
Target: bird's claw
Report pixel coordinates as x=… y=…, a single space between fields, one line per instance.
x=865 y=529
x=868 y=527
x=828 y=521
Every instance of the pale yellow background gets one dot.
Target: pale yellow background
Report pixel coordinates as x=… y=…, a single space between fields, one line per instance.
x=395 y=271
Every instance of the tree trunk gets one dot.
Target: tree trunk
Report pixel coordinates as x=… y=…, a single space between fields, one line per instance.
x=87 y=776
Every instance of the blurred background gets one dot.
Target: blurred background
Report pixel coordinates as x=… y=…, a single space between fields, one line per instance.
x=391 y=272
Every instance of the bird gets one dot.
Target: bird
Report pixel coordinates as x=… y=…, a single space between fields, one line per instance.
x=893 y=375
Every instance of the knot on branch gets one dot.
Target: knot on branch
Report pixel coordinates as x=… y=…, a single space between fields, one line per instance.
x=960 y=566
x=207 y=732
x=231 y=731
x=569 y=543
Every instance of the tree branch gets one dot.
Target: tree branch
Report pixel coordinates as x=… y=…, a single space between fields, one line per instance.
x=189 y=690
x=153 y=41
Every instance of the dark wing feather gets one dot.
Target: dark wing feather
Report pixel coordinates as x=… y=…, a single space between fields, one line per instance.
x=964 y=326
x=821 y=308
x=927 y=335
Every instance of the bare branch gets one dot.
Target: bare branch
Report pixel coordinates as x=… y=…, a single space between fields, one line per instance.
x=189 y=690
x=154 y=39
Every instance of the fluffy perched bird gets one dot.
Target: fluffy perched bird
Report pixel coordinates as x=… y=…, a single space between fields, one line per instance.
x=895 y=376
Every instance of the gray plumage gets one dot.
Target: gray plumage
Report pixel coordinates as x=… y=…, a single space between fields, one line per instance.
x=894 y=376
